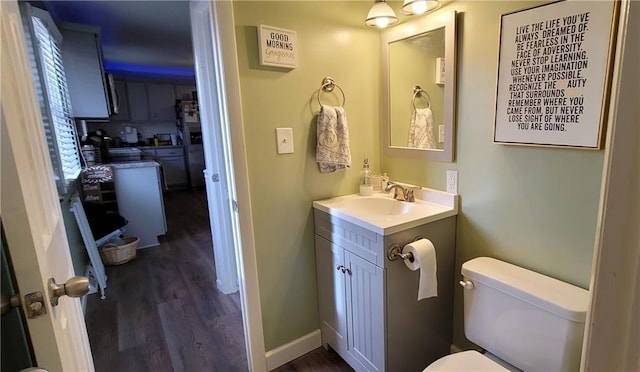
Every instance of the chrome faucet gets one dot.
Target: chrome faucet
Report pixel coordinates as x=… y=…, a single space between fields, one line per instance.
x=405 y=193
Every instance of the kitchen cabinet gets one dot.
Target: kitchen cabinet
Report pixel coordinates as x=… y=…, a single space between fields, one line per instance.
x=174 y=166
x=139 y=195
x=162 y=102
x=185 y=92
x=82 y=61
x=151 y=101
x=123 y=108
x=147 y=101
x=173 y=162
x=137 y=98
x=369 y=313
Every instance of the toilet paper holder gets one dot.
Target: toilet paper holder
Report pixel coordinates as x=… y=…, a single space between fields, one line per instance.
x=395 y=251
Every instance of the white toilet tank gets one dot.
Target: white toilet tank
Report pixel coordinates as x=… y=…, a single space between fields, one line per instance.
x=528 y=319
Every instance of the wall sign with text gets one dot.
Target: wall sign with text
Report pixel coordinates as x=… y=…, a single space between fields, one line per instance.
x=278 y=47
x=554 y=74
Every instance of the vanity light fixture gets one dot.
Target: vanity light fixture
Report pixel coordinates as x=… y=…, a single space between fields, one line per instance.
x=381 y=15
x=414 y=7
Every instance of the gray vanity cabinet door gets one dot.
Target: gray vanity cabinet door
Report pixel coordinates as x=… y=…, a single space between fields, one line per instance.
x=365 y=311
x=331 y=295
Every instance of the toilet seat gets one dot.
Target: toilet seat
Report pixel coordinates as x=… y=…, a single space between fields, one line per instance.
x=469 y=360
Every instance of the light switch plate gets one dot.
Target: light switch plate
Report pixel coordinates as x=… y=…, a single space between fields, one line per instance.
x=440 y=133
x=284 y=138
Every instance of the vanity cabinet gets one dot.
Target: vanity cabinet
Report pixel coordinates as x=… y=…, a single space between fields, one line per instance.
x=351 y=309
x=369 y=313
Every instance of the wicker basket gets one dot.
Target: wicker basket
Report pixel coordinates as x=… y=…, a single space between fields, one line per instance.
x=114 y=254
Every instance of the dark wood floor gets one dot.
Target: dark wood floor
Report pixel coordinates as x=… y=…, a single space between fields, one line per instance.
x=164 y=313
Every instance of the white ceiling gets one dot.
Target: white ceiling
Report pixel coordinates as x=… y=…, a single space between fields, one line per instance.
x=142 y=33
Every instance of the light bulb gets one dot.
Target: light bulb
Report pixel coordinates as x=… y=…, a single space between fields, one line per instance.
x=418 y=7
x=382 y=22
x=381 y=15
x=414 y=7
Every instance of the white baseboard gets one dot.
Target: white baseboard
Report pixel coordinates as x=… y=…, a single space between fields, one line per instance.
x=294 y=349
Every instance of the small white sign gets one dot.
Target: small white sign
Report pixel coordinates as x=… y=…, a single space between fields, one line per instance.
x=278 y=47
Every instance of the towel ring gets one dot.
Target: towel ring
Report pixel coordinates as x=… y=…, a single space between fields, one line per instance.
x=328 y=84
x=417 y=91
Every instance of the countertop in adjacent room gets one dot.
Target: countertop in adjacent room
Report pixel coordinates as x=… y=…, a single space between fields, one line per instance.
x=134 y=164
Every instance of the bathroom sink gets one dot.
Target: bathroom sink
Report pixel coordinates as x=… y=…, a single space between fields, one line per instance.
x=376 y=206
x=384 y=215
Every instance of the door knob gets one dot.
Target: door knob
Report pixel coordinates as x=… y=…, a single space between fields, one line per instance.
x=77 y=286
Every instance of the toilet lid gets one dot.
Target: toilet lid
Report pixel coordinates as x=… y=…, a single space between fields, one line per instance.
x=469 y=360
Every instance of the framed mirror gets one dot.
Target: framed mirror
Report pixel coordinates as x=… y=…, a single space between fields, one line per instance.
x=419 y=62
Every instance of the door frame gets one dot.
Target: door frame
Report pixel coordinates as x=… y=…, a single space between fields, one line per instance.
x=218 y=82
x=615 y=276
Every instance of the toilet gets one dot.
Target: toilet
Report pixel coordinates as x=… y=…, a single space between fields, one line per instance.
x=523 y=319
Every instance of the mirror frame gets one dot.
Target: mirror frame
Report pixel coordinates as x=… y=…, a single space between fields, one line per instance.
x=446 y=20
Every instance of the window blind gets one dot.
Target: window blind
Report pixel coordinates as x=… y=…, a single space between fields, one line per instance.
x=55 y=104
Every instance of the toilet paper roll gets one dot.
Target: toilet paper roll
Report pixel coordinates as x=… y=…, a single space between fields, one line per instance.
x=424 y=259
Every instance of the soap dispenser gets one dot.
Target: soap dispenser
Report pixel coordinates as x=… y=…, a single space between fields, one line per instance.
x=366 y=188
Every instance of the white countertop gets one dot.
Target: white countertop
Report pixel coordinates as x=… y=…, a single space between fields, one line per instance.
x=134 y=164
x=430 y=205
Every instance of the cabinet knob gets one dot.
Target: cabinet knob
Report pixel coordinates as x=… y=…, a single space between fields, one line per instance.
x=343 y=269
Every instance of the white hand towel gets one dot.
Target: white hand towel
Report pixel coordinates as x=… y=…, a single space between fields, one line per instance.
x=332 y=149
x=421 y=131
x=424 y=259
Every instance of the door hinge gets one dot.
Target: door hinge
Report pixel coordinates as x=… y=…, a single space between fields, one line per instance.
x=215 y=177
x=235 y=205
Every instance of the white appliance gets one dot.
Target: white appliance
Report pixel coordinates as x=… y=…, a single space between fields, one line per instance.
x=191 y=134
x=523 y=318
x=129 y=135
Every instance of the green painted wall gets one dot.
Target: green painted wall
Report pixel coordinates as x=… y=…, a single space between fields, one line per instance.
x=535 y=207
x=332 y=42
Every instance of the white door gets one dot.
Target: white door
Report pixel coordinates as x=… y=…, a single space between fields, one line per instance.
x=30 y=209
x=218 y=174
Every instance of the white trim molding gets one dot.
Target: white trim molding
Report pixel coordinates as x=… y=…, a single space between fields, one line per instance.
x=294 y=349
